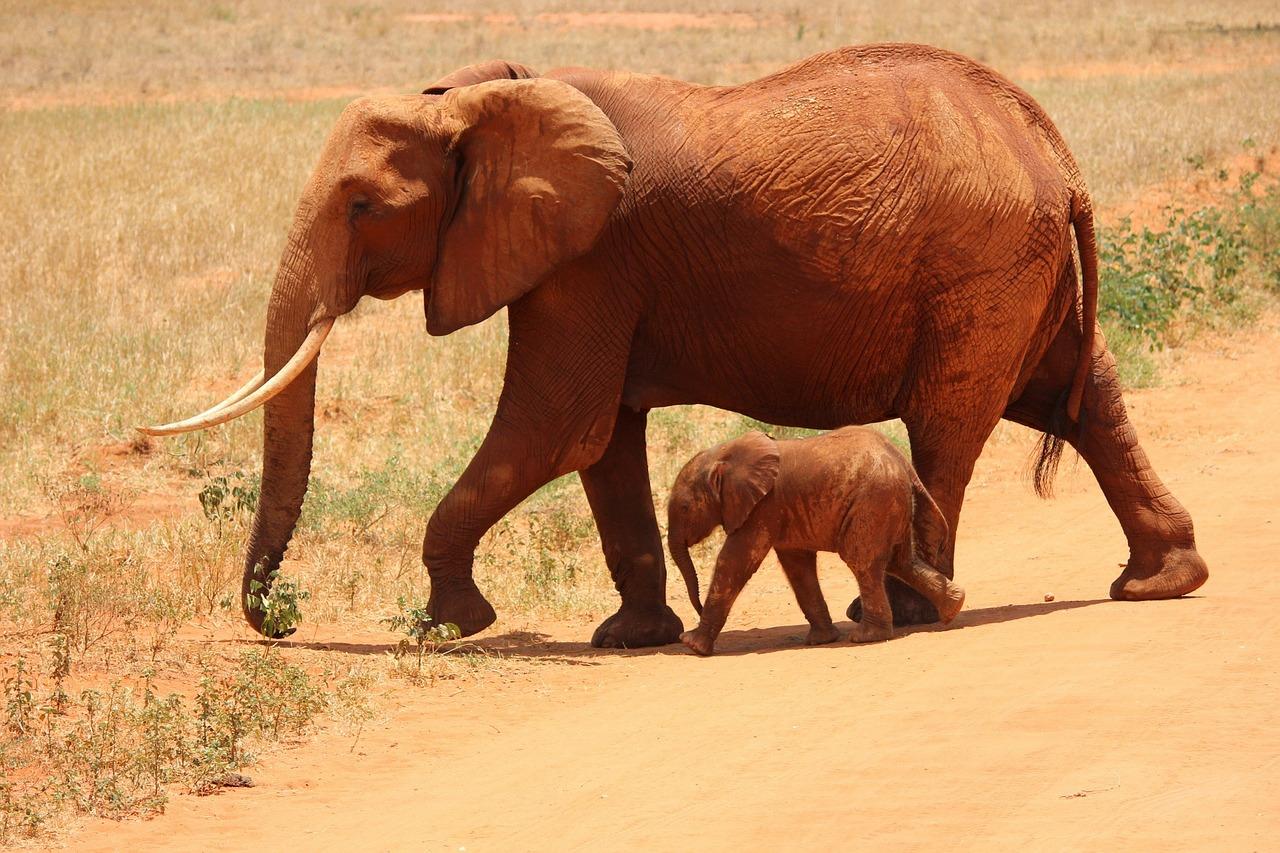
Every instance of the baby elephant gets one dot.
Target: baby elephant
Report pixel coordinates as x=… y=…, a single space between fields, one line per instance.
x=849 y=491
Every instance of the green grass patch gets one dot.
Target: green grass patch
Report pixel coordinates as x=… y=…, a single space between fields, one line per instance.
x=1205 y=268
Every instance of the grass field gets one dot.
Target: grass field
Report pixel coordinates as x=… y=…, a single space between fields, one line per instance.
x=153 y=154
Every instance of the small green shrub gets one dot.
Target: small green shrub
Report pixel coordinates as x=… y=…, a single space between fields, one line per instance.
x=19 y=701
x=227 y=497
x=280 y=601
x=412 y=618
x=114 y=752
x=95 y=595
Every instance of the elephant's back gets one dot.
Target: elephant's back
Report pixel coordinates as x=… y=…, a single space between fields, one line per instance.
x=873 y=142
x=902 y=66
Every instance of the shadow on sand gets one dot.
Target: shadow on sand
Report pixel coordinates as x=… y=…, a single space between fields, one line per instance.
x=530 y=645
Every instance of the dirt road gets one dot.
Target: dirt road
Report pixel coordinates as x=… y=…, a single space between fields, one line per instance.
x=1075 y=724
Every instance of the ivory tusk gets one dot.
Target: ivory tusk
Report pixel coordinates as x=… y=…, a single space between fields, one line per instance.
x=239 y=394
x=243 y=391
x=234 y=408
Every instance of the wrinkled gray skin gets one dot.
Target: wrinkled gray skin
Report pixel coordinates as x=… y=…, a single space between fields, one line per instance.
x=849 y=491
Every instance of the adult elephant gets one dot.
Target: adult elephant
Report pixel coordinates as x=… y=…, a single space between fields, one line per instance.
x=875 y=232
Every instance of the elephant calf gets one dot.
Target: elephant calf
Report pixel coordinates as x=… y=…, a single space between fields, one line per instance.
x=849 y=491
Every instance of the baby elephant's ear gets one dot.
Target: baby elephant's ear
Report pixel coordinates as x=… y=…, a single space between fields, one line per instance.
x=749 y=470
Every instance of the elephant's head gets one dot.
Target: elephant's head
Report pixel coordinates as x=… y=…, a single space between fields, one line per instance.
x=472 y=196
x=718 y=487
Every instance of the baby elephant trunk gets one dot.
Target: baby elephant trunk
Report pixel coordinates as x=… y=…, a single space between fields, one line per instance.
x=680 y=553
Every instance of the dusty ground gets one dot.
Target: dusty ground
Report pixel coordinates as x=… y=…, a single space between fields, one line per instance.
x=1079 y=723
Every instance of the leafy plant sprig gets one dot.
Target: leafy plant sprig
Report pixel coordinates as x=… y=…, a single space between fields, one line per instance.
x=412 y=618
x=280 y=602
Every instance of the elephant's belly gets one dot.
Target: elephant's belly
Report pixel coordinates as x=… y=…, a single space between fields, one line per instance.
x=818 y=366
x=812 y=414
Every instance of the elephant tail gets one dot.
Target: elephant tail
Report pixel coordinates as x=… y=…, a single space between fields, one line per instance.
x=1071 y=401
x=929 y=526
x=1082 y=221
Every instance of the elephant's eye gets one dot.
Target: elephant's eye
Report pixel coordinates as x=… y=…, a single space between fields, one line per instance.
x=358 y=206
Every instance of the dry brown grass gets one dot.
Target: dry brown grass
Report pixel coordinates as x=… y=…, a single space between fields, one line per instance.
x=144 y=208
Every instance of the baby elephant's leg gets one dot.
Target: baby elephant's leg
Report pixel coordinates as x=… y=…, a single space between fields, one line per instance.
x=738 y=560
x=801 y=568
x=877 y=615
x=936 y=587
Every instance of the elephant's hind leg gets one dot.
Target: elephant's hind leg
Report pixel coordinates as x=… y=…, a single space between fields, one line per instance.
x=876 y=623
x=868 y=544
x=965 y=372
x=1163 y=561
x=617 y=488
x=801 y=568
x=939 y=590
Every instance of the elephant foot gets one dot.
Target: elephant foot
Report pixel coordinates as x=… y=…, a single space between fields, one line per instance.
x=867 y=631
x=1160 y=574
x=822 y=636
x=636 y=628
x=460 y=603
x=699 y=642
x=909 y=606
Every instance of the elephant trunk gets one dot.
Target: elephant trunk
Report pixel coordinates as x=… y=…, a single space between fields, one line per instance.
x=288 y=424
x=680 y=553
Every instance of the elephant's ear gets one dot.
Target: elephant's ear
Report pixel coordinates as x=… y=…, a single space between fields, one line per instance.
x=480 y=72
x=540 y=169
x=745 y=473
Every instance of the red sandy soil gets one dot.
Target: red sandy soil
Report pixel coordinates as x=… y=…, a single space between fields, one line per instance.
x=1203 y=188
x=1076 y=723
x=113 y=463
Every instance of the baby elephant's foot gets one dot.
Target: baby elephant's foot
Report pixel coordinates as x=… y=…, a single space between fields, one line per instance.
x=820 y=636
x=952 y=601
x=698 y=642
x=870 y=631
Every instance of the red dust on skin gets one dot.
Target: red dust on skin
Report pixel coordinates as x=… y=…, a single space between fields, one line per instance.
x=849 y=491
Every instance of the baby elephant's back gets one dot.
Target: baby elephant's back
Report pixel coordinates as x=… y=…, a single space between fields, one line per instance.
x=858 y=476
x=860 y=451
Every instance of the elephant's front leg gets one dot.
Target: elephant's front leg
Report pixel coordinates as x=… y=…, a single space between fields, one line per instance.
x=739 y=557
x=508 y=468
x=556 y=415
x=617 y=488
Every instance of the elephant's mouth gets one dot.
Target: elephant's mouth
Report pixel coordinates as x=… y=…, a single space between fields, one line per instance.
x=256 y=391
